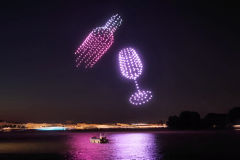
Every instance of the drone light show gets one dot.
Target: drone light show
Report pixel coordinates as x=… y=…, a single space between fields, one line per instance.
x=97 y=43
x=131 y=68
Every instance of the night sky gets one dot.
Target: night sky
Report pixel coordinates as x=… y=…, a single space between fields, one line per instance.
x=190 y=52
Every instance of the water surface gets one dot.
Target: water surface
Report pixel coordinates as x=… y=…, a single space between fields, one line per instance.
x=162 y=145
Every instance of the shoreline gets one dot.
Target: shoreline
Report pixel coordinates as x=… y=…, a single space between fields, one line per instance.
x=120 y=130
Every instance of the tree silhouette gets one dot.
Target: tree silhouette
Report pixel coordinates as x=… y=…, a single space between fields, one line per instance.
x=173 y=122
x=234 y=115
x=189 y=120
x=214 y=120
x=186 y=120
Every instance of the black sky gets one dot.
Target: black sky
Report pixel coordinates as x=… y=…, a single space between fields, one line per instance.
x=190 y=52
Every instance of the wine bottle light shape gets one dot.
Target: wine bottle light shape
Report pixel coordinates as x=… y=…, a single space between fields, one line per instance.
x=97 y=43
x=131 y=68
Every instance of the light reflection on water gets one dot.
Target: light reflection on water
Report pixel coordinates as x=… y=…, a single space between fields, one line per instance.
x=162 y=145
x=135 y=146
x=122 y=146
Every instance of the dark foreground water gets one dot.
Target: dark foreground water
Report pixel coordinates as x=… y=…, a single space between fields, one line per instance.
x=162 y=145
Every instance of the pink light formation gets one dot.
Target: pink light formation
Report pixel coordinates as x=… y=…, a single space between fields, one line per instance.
x=97 y=43
x=131 y=68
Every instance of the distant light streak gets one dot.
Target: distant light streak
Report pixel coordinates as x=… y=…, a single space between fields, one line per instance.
x=51 y=128
x=236 y=127
x=131 y=68
x=97 y=43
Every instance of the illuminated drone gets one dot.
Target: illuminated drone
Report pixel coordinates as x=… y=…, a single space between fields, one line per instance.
x=97 y=43
x=131 y=68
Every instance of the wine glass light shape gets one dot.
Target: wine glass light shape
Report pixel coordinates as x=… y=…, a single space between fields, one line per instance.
x=131 y=68
x=97 y=43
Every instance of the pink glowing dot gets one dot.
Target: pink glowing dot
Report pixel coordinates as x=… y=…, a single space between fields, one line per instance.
x=131 y=67
x=97 y=43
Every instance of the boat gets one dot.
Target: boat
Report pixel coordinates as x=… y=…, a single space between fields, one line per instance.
x=101 y=139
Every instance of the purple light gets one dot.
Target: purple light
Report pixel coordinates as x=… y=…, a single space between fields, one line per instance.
x=135 y=146
x=123 y=146
x=130 y=63
x=140 y=97
x=97 y=43
x=131 y=68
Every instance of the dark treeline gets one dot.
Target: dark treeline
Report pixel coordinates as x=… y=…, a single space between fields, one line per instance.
x=192 y=120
